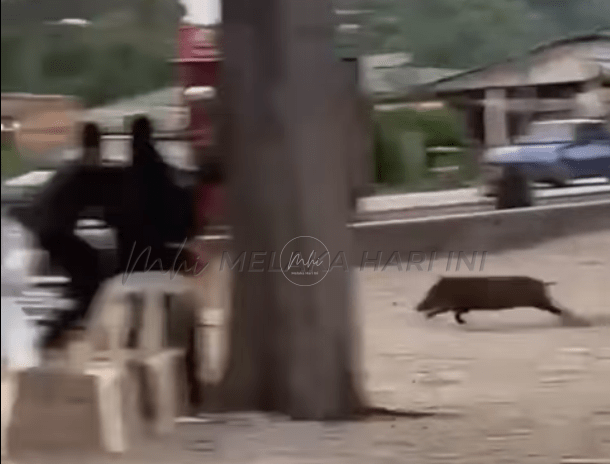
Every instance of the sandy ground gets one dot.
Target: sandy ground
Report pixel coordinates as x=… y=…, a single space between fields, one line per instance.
x=518 y=386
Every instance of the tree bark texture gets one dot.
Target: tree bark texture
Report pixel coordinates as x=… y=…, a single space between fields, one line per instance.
x=289 y=121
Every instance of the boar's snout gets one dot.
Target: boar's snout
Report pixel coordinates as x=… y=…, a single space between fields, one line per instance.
x=430 y=300
x=423 y=305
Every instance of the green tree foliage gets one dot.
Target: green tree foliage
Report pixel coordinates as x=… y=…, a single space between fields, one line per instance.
x=467 y=33
x=20 y=13
x=11 y=54
x=569 y=16
x=124 y=52
x=395 y=147
x=12 y=163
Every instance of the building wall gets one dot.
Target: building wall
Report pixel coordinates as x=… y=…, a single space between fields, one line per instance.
x=46 y=122
x=556 y=82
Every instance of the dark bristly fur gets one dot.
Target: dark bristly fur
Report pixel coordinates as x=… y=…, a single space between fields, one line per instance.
x=461 y=295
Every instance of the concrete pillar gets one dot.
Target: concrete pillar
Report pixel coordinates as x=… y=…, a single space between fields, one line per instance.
x=214 y=288
x=152 y=331
x=589 y=103
x=494 y=117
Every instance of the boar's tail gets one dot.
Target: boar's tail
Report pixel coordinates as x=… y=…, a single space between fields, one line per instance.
x=548 y=284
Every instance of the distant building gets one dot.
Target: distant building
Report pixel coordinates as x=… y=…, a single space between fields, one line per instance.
x=569 y=77
x=39 y=124
x=394 y=74
x=164 y=107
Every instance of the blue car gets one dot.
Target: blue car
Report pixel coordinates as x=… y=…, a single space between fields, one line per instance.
x=554 y=152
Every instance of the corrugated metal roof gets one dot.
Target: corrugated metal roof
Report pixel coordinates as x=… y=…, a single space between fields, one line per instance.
x=400 y=79
x=387 y=60
x=575 y=39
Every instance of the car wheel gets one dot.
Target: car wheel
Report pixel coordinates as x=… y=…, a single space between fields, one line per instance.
x=489 y=190
x=514 y=189
x=561 y=177
x=559 y=183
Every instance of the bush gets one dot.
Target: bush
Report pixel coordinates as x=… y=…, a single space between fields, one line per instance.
x=12 y=164
x=401 y=137
x=121 y=71
x=65 y=63
x=97 y=67
x=389 y=162
x=440 y=127
x=12 y=52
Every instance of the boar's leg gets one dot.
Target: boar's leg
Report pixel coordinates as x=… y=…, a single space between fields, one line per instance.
x=436 y=312
x=458 y=315
x=550 y=307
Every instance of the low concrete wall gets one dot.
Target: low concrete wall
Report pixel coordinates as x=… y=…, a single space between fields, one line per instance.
x=488 y=231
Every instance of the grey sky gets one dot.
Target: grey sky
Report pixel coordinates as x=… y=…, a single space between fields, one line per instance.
x=202 y=11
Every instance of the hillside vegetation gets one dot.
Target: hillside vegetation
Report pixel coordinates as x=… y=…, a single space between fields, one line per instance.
x=123 y=52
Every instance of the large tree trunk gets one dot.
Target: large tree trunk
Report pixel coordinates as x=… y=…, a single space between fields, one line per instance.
x=291 y=347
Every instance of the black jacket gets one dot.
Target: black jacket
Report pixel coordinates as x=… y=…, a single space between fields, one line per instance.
x=156 y=210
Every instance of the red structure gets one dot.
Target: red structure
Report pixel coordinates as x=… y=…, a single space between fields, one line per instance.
x=198 y=68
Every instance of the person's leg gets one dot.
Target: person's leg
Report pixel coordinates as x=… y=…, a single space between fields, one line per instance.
x=79 y=259
x=81 y=262
x=137 y=253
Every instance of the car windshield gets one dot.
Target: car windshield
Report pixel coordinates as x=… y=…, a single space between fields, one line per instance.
x=549 y=132
x=592 y=131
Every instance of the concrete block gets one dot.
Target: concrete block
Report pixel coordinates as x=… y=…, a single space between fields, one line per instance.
x=212 y=344
x=92 y=411
x=8 y=401
x=487 y=231
x=162 y=388
x=111 y=406
x=54 y=411
x=137 y=309
x=152 y=334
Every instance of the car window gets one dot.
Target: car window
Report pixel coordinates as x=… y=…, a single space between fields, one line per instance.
x=591 y=132
x=549 y=133
x=601 y=133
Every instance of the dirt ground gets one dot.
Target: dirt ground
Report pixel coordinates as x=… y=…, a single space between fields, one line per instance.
x=518 y=386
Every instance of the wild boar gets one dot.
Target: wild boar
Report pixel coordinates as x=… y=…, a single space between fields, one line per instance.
x=464 y=294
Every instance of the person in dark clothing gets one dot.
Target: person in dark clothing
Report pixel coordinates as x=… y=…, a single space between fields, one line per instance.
x=147 y=208
x=153 y=214
x=54 y=215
